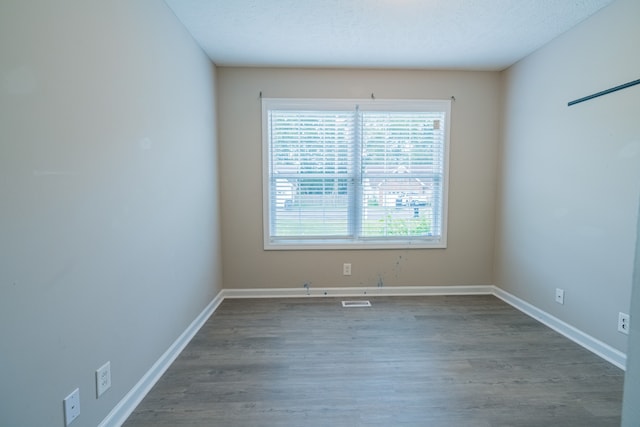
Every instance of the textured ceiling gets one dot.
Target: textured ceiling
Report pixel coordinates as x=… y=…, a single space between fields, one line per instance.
x=435 y=34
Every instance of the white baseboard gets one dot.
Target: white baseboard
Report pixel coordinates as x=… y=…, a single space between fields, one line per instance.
x=132 y=399
x=359 y=291
x=126 y=406
x=590 y=343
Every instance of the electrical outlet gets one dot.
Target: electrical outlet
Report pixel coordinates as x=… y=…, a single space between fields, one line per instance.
x=103 y=379
x=346 y=269
x=560 y=296
x=71 y=407
x=623 y=323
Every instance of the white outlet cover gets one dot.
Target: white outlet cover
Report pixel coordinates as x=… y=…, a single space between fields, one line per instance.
x=623 y=322
x=71 y=407
x=560 y=296
x=346 y=269
x=103 y=379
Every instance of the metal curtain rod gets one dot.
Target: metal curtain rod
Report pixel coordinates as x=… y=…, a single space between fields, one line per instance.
x=604 y=92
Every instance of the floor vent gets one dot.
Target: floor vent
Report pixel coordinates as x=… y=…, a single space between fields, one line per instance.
x=350 y=304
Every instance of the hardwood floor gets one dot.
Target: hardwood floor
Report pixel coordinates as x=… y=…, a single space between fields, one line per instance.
x=468 y=361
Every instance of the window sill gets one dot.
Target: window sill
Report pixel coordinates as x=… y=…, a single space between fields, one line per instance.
x=287 y=245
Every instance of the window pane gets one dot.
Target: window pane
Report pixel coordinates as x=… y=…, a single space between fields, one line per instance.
x=402 y=167
x=311 y=168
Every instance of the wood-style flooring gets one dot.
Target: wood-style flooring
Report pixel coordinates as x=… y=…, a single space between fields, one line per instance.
x=436 y=361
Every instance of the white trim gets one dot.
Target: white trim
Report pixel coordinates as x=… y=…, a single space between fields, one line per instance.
x=355 y=240
x=132 y=399
x=590 y=343
x=359 y=291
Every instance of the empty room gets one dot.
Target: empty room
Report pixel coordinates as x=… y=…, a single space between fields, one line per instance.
x=306 y=213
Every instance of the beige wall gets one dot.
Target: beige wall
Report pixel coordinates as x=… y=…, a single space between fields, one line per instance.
x=571 y=175
x=108 y=188
x=474 y=138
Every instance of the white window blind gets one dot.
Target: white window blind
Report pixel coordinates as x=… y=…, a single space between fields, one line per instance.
x=355 y=173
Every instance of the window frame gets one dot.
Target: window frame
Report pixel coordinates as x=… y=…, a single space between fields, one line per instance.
x=321 y=104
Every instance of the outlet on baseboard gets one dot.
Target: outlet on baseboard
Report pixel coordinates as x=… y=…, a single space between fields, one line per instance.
x=560 y=296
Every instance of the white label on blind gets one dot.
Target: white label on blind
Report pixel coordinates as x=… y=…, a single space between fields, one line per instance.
x=436 y=125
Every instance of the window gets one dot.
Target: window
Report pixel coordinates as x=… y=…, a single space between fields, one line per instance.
x=355 y=173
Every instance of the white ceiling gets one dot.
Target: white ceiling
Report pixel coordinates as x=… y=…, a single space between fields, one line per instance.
x=434 y=34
